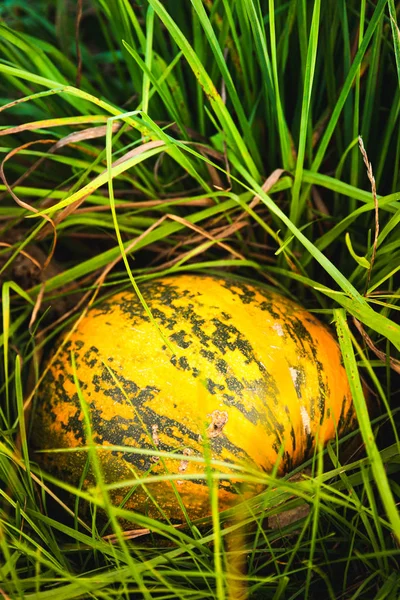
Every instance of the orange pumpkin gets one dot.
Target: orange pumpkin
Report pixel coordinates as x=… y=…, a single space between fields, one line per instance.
x=252 y=372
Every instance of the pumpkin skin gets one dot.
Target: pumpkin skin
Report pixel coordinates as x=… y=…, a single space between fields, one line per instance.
x=252 y=372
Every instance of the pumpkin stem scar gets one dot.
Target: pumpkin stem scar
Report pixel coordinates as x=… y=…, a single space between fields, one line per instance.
x=219 y=420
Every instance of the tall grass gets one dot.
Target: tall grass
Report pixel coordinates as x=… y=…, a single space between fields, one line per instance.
x=218 y=136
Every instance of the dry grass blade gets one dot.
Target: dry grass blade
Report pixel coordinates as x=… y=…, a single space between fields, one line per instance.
x=131 y=534
x=25 y=205
x=224 y=233
x=62 y=215
x=147 y=204
x=20 y=463
x=100 y=280
x=267 y=185
x=90 y=133
x=26 y=254
x=37 y=306
x=32 y=126
x=202 y=247
x=394 y=364
x=214 y=173
x=376 y=204
x=272 y=180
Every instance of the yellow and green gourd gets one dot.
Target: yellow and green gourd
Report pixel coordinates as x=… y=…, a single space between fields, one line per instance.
x=253 y=373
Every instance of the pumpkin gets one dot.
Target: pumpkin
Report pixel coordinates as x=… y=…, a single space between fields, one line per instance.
x=253 y=376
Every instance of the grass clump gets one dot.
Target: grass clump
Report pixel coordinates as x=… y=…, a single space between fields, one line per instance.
x=254 y=137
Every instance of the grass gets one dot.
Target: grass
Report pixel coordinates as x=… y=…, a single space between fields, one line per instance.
x=209 y=136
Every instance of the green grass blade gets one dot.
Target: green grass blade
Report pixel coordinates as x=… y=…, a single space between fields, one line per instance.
x=364 y=422
x=395 y=34
x=230 y=86
x=379 y=8
x=270 y=73
x=235 y=141
x=295 y=207
x=148 y=59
